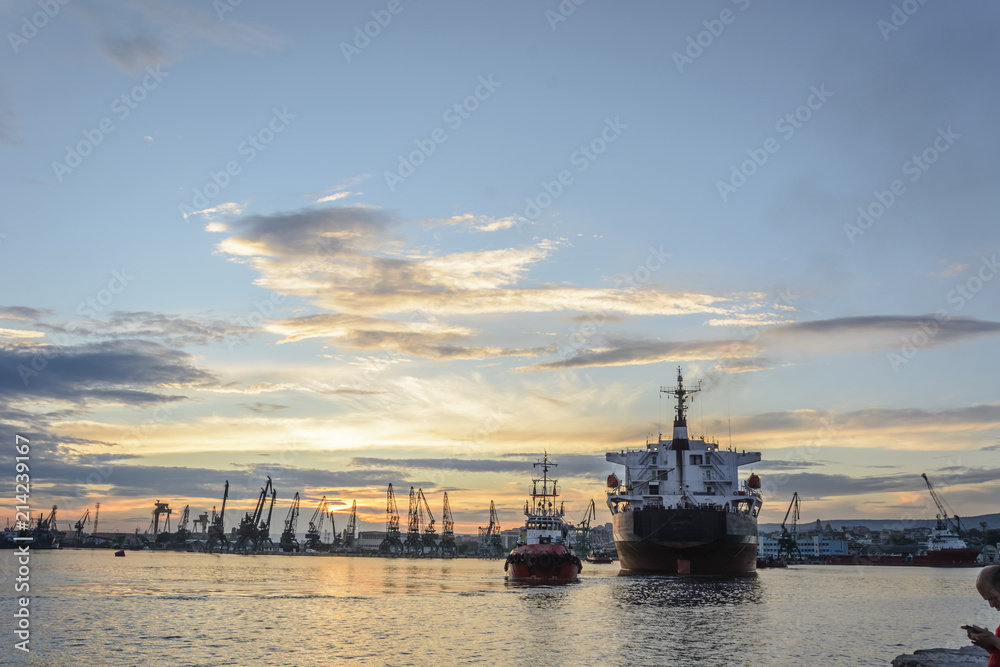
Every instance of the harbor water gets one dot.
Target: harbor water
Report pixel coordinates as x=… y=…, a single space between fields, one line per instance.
x=154 y=608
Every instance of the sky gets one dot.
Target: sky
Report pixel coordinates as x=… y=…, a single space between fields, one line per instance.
x=352 y=244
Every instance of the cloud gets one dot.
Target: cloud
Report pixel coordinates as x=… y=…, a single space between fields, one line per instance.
x=623 y=352
x=263 y=408
x=139 y=33
x=565 y=465
x=816 y=338
x=432 y=339
x=127 y=372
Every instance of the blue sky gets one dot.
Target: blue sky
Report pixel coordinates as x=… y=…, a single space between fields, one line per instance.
x=249 y=242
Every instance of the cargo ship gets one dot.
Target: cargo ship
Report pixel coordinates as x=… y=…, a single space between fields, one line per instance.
x=542 y=554
x=680 y=507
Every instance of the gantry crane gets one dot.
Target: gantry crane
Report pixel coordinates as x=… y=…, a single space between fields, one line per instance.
x=391 y=543
x=430 y=542
x=351 y=532
x=84 y=520
x=182 y=527
x=288 y=541
x=448 y=547
x=160 y=509
x=413 y=544
x=788 y=543
x=945 y=518
x=315 y=532
x=217 y=531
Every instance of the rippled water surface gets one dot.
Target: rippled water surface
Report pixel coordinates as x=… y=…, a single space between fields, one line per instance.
x=89 y=608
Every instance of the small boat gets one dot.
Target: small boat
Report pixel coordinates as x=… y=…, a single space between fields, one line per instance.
x=120 y=553
x=599 y=556
x=542 y=554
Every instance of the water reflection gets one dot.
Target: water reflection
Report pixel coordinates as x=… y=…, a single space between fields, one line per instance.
x=687 y=591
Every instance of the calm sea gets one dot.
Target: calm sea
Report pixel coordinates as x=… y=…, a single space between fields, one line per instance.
x=90 y=608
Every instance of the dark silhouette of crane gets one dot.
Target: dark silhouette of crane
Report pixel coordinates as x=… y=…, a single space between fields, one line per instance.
x=413 y=543
x=314 y=539
x=448 y=547
x=351 y=532
x=490 y=542
x=946 y=520
x=217 y=530
x=430 y=541
x=391 y=543
x=160 y=509
x=84 y=520
x=288 y=542
x=788 y=543
x=254 y=530
x=583 y=543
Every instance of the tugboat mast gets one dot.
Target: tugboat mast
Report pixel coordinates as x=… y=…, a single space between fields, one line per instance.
x=539 y=500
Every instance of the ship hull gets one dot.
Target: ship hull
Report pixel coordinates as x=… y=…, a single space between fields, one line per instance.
x=686 y=541
x=938 y=558
x=542 y=563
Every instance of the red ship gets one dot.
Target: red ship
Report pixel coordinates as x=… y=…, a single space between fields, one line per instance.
x=542 y=554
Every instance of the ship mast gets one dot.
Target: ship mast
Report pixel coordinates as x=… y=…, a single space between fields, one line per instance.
x=543 y=504
x=684 y=395
x=679 y=442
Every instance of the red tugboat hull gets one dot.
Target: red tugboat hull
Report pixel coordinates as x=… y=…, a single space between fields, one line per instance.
x=542 y=563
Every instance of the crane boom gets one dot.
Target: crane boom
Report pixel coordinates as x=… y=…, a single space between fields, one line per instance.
x=944 y=516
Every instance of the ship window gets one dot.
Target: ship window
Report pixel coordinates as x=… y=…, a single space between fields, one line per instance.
x=654 y=488
x=654 y=459
x=696 y=459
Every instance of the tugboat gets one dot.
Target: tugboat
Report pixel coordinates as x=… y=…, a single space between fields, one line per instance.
x=681 y=508
x=599 y=556
x=541 y=554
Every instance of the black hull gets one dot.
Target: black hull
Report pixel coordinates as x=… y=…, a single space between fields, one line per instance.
x=688 y=541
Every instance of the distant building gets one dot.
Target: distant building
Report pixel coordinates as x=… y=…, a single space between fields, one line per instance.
x=809 y=547
x=368 y=540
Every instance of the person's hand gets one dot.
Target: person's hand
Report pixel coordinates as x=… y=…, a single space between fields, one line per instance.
x=983 y=638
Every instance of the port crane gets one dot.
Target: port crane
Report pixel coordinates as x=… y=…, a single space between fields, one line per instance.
x=313 y=535
x=490 y=543
x=788 y=544
x=254 y=531
x=944 y=519
x=288 y=542
x=583 y=544
x=182 y=526
x=351 y=532
x=448 y=546
x=430 y=542
x=391 y=543
x=84 y=520
x=413 y=544
x=160 y=509
x=217 y=530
